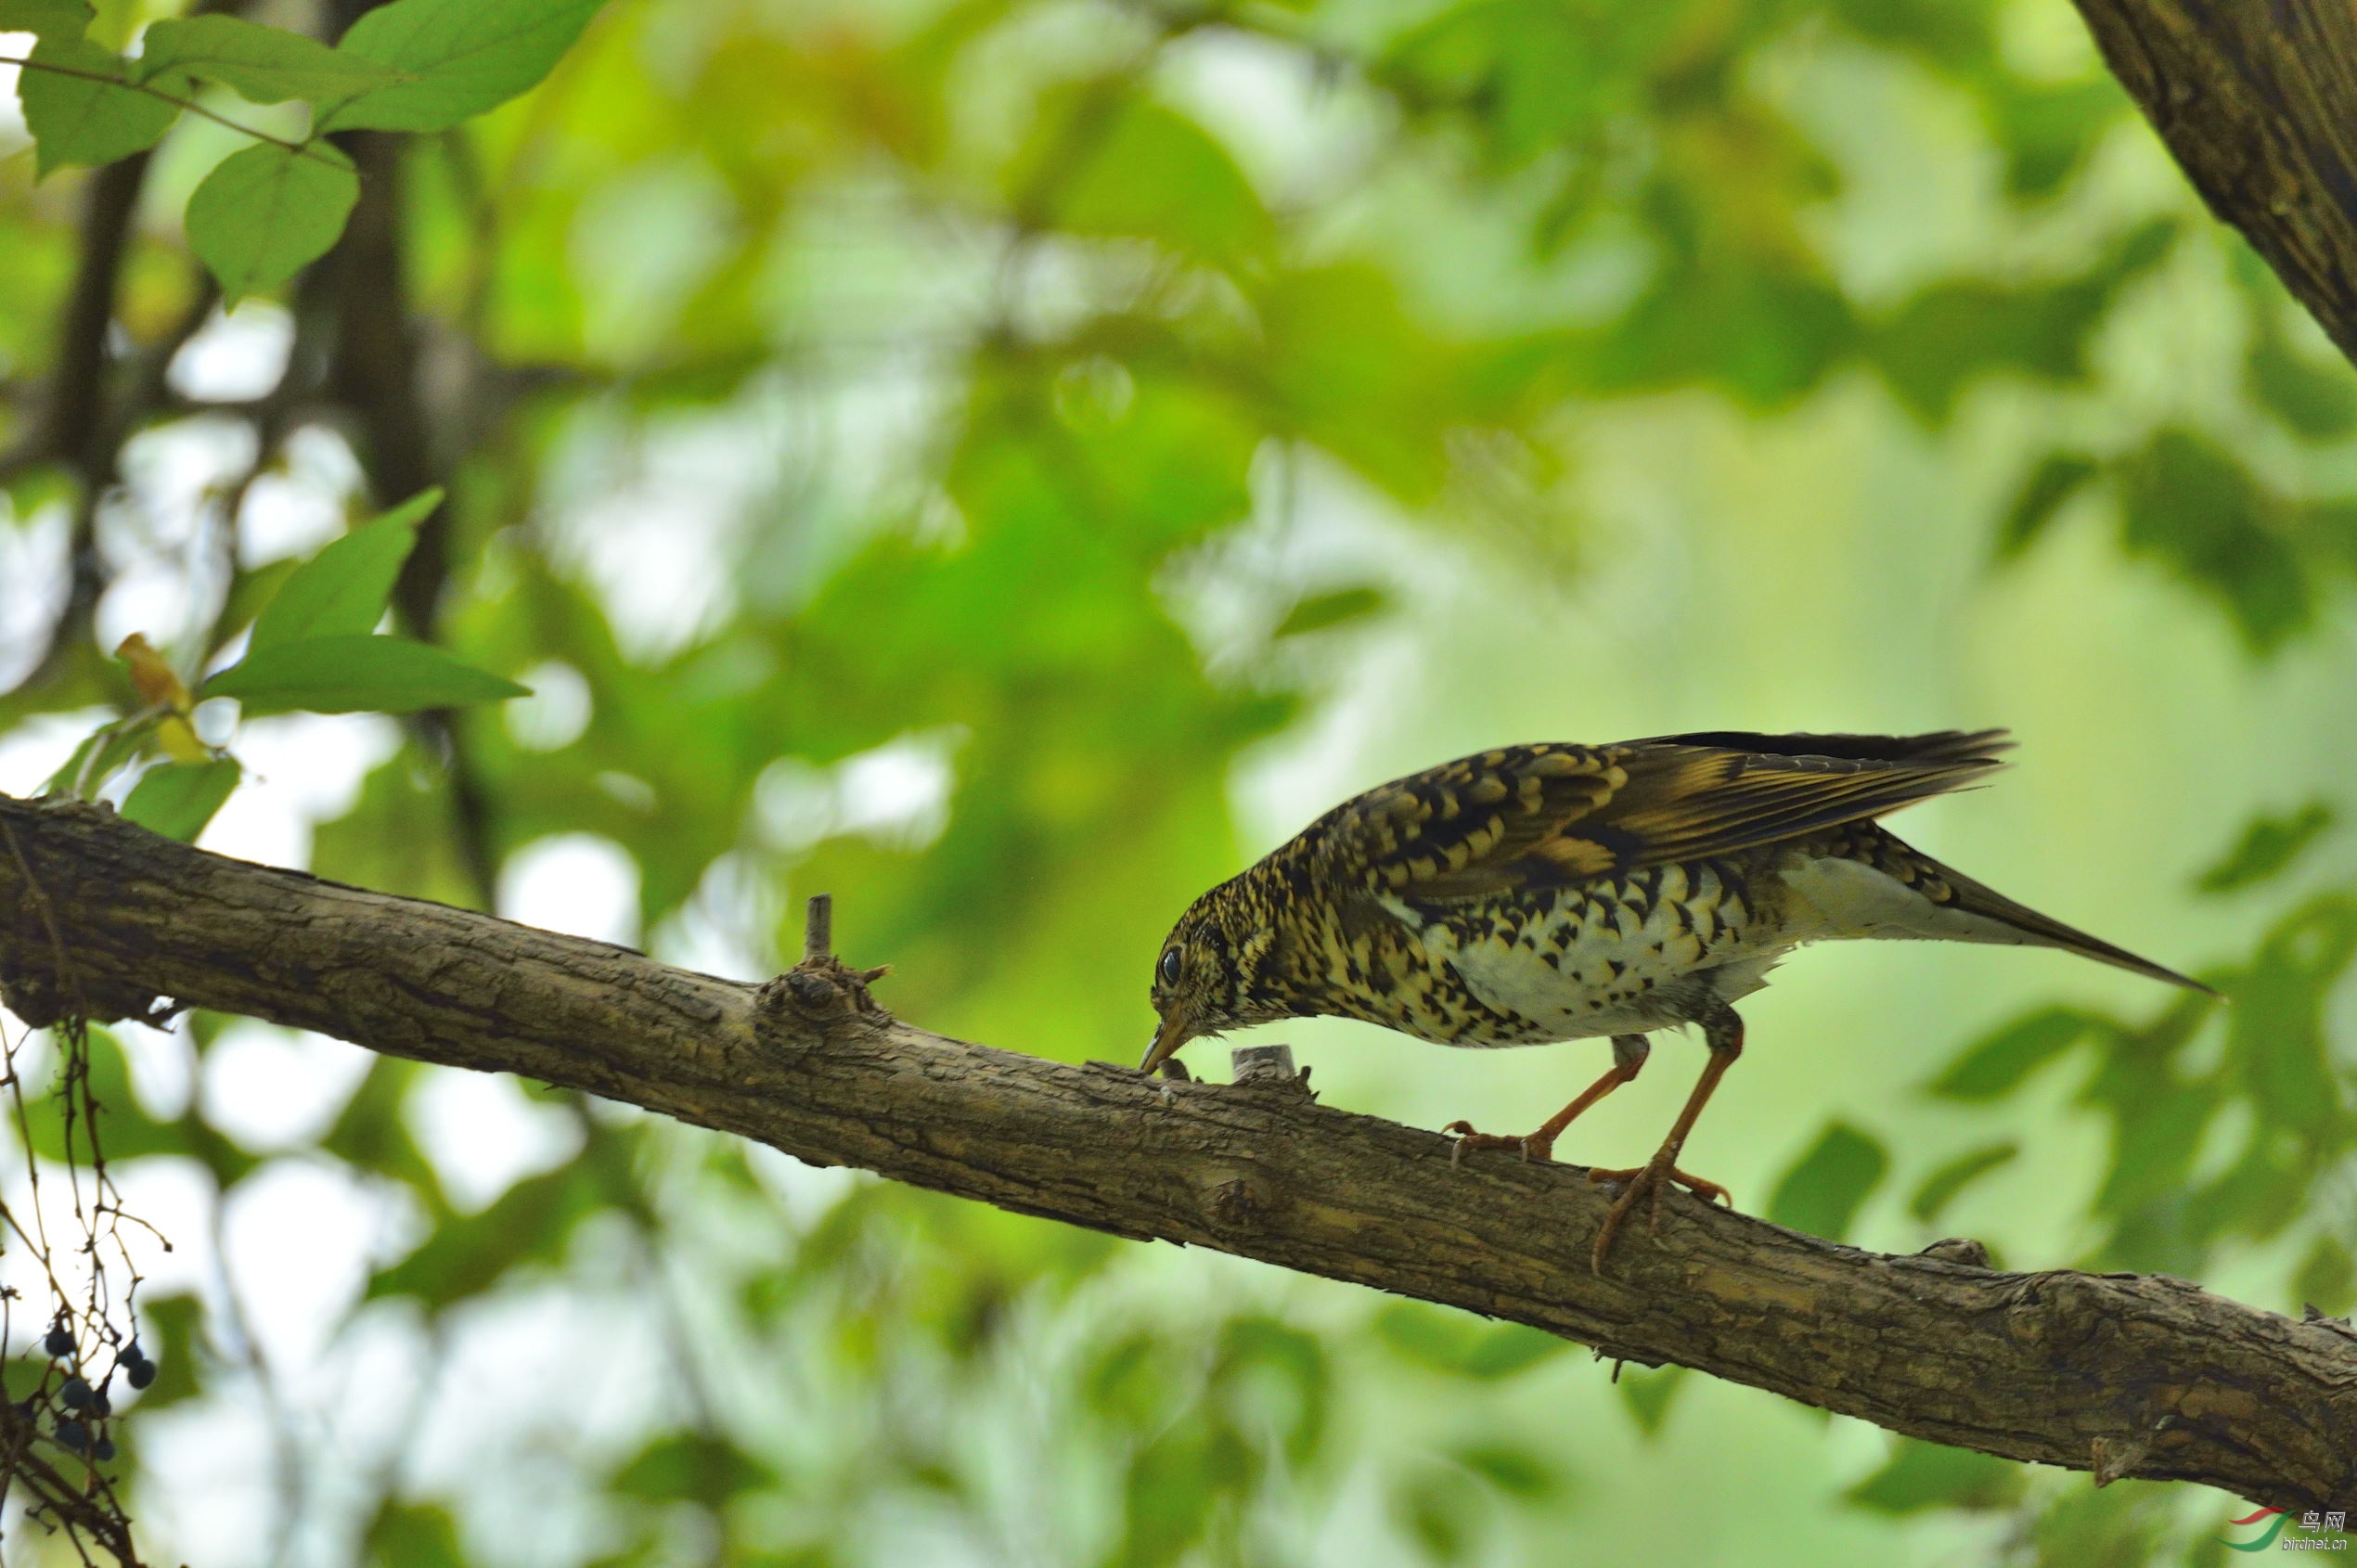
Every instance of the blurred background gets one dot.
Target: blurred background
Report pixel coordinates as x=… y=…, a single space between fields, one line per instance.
x=1009 y=463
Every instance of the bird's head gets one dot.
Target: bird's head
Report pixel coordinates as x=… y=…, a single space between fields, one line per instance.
x=1214 y=971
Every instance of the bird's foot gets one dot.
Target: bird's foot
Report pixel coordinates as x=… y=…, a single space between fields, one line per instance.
x=1646 y=1183
x=1532 y=1146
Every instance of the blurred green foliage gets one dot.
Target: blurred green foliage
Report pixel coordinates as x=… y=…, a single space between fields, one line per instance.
x=987 y=336
x=1823 y=1191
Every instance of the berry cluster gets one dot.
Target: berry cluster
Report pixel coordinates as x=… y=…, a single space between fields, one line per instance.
x=85 y=1405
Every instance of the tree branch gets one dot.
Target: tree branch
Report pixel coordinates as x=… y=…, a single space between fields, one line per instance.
x=2122 y=1374
x=2259 y=105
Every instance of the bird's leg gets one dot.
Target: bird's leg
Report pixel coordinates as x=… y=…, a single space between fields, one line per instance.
x=1628 y=1053
x=1722 y=1031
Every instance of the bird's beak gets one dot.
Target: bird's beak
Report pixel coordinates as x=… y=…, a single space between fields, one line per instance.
x=1167 y=1039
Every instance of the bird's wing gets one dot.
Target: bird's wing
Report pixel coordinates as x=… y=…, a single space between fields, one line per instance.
x=1549 y=815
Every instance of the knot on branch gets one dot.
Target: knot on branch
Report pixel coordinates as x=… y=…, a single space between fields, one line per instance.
x=1238 y=1203
x=1958 y=1249
x=2116 y=1458
x=2311 y=1313
x=1267 y=1067
x=822 y=990
x=2059 y=1308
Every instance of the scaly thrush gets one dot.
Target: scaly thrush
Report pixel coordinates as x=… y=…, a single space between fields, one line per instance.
x=1557 y=892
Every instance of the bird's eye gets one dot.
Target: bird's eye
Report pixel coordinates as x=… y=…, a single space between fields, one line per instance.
x=1170 y=966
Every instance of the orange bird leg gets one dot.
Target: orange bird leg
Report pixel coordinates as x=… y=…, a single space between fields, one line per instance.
x=1723 y=1033
x=1628 y=1053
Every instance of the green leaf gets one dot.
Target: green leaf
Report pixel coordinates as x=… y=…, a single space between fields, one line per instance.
x=1940 y=1189
x=1442 y=1509
x=1130 y=166
x=1253 y=1344
x=1647 y=1392
x=77 y=111
x=1823 y=1191
x=2055 y=480
x=2194 y=507
x=263 y=213
x=1124 y=1383
x=178 y=798
x=1322 y=611
x=1996 y=1065
x=66 y=20
x=2317 y=401
x=342 y=590
x=1518 y=1472
x=531 y=1223
x=125 y=1130
x=251 y=593
x=170 y=1340
x=2277 y=1030
x=1767 y=333
x=102 y=754
x=1951 y=333
x=1176 y=1482
x=1453 y=1343
x=357 y=674
x=1507 y=1348
x=2327 y=1277
x=1927 y=1475
x=371 y=1133
x=2046 y=130
x=2268 y=846
x=463 y=57
x=398 y=836
x=2329 y=529
x=413 y=1535
x=694 y=1468
x=265 y=64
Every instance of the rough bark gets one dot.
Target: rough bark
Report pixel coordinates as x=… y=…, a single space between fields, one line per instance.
x=2258 y=103
x=2121 y=1374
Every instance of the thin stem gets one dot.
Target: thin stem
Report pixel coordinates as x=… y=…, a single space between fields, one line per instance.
x=303 y=148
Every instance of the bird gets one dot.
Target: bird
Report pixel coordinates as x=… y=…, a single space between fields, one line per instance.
x=1549 y=892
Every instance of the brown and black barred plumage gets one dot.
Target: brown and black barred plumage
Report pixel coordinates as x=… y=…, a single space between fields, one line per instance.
x=1558 y=892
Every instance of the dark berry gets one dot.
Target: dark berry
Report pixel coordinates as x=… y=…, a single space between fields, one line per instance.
x=103 y=1450
x=75 y=1394
x=28 y=1406
x=100 y=1406
x=74 y=1434
x=139 y=1373
x=60 y=1341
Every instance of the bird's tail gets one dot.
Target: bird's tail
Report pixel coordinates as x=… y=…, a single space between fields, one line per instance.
x=1957 y=892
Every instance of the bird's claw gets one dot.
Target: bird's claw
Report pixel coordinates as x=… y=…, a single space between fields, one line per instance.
x=1532 y=1147
x=1648 y=1182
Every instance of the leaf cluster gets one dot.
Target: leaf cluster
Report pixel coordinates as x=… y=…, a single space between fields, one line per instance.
x=313 y=648
x=267 y=212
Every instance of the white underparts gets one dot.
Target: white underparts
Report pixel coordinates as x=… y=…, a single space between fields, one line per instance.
x=1850 y=900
